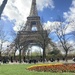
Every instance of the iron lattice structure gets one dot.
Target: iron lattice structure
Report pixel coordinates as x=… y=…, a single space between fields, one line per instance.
x=33 y=36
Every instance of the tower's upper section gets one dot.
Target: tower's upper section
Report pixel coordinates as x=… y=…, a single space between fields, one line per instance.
x=33 y=20
x=33 y=11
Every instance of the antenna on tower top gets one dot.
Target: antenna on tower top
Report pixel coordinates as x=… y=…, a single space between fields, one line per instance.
x=33 y=11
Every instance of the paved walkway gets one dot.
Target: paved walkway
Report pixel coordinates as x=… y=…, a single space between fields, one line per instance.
x=61 y=61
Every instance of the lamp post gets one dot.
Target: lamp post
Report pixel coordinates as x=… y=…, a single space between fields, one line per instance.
x=2 y=7
x=0 y=53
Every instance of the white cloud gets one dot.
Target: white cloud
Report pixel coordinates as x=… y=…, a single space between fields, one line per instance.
x=51 y=25
x=36 y=49
x=1 y=2
x=17 y=52
x=5 y=44
x=18 y=10
x=70 y=17
x=41 y=4
x=70 y=28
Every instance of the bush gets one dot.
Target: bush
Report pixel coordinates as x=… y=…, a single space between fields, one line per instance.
x=54 y=68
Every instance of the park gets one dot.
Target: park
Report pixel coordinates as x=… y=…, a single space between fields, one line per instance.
x=33 y=45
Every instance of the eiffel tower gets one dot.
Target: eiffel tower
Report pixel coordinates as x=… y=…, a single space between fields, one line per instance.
x=33 y=26
x=33 y=32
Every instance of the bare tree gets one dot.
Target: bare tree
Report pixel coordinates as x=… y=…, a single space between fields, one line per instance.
x=3 y=38
x=15 y=37
x=46 y=40
x=60 y=31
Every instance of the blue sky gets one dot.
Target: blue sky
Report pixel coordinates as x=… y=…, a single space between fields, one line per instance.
x=60 y=6
x=16 y=12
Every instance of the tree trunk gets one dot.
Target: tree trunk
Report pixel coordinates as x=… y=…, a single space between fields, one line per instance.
x=44 y=54
x=19 y=56
x=1 y=49
x=0 y=56
x=66 y=56
x=14 y=56
x=0 y=53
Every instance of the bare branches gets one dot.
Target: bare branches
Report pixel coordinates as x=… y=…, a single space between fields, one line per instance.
x=3 y=38
x=62 y=37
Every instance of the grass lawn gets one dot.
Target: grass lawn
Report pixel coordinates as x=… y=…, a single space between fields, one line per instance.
x=20 y=69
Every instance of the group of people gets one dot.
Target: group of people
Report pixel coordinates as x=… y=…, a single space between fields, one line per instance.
x=6 y=60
